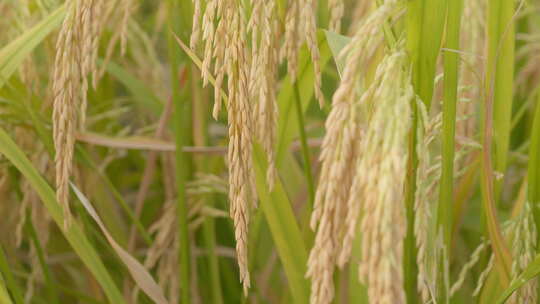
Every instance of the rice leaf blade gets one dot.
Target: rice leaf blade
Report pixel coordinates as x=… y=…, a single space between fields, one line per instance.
x=533 y=193
x=12 y=55
x=285 y=232
x=74 y=235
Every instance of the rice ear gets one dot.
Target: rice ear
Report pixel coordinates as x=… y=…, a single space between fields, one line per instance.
x=76 y=54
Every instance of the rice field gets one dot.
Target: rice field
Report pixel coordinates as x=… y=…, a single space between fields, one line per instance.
x=278 y=151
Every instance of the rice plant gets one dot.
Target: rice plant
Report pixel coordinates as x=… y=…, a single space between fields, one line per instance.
x=278 y=151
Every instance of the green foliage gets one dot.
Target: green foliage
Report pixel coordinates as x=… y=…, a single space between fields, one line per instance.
x=174 y=160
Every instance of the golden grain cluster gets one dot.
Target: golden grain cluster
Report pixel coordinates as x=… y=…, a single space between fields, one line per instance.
x=424 y=189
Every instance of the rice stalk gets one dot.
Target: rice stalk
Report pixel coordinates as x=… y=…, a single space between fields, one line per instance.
x=424 y=25
x=446 y=190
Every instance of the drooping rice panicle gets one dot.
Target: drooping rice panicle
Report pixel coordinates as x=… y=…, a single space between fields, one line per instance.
x=335 y=200
x=227 y=46
x=263 y=79
x=381 y=175
x=75 y=60
x=196 y=28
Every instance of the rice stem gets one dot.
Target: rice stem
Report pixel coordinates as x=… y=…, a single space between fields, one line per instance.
x=303 y=141
x=182 y=132
x=446 y=192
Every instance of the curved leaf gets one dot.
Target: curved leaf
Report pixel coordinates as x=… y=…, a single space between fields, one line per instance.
x=12 y=55
x=74 y=235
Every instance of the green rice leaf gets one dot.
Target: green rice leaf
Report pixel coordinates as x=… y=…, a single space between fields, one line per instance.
x=4 y=296
x=337 y=42
x=12 y=55
x=140 y=92
x=74 y=235
x=533 y=194
x=285 y=232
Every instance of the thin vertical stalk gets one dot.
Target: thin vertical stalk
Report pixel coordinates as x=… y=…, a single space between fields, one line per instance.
x=200 y=138
x=446 y=193
x=425 y=24
x=451 y=59
x=500 y=79
x=209 y=230
x=410 y=269
x=533 y=192
x=497 y=116
x=285 y=231
x=182 y=133
x=303 y=140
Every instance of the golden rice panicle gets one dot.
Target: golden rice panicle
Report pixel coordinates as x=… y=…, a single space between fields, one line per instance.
x=208 y=33
x=291 y=45
x=241 y=179
x=215 y=46
x=226 y=50
x=300 y=27
x=263 y=78
x=361 y=49
x=357 y=52
x=76 y=49
x=381 y=176
x=92 y=22
x=66 y=90
x=337 y=9
x=196 y=28
x=339 y=153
